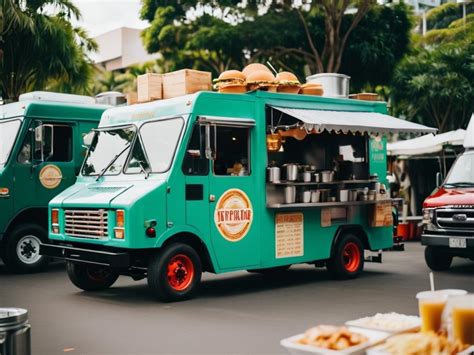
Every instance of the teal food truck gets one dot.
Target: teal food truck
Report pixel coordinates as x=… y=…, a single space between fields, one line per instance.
x=223 y=182
x=40 y=155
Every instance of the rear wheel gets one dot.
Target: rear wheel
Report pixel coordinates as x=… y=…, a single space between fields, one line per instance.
x=22 y=249
x=174 y=273
x=437 y=259
x=347 y=261
x=91 y=277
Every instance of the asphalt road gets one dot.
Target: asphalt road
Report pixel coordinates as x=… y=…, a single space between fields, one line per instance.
x=238 y=313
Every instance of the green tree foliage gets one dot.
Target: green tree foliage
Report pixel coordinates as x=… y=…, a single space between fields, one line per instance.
x=41 y=49
x=434 y=84
x=196 y=35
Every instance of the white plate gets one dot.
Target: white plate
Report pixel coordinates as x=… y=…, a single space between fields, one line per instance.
x=291 y=344
x=379 y=350
x=412 y=328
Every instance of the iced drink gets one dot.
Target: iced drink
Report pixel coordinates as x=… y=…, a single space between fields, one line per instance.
x=431 y=306
x=463 y=319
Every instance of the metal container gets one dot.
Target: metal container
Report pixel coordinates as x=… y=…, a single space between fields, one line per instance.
x=291 y=172
x=307 y=176
x=315 y=196
x=273 y=174
x=290 y=194
x=15 y=332
x=324 y=195
x=306 y=196
x=317 y=177
x=334 y=85
x=343 y=195
x=327 y=176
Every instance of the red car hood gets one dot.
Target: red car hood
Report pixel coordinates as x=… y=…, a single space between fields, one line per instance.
x=448 y=197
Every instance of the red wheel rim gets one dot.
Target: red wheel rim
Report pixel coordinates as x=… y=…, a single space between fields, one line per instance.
x=180 y=272
x=351 y=257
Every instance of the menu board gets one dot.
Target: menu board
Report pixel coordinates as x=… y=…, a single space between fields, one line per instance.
x=289 y=241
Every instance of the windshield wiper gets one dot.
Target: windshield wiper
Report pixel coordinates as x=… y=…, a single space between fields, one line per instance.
x=143 y=169
x=102 y=172
x=460 y=184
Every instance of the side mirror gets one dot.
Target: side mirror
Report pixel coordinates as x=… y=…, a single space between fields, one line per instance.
x=439 y=179
x=44 y=142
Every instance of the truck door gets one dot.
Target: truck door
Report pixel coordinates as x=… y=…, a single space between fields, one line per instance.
x=233 y=225
x=44 y=165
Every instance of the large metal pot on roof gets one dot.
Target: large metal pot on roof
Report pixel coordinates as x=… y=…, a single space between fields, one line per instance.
x=334 y=84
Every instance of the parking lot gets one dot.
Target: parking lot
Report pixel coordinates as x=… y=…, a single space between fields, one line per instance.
x=238 y=313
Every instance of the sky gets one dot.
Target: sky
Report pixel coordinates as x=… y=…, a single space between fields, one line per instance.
x=99 y=16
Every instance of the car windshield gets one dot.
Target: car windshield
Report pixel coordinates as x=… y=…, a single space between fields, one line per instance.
x=462 y=172
x=109 y=151
x=8 y=133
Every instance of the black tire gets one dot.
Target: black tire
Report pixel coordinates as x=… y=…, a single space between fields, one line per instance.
x=347 y=259
x=21 y=254
x=91 y=277
x=271 y=270
x=186 y=275
x=437 y=259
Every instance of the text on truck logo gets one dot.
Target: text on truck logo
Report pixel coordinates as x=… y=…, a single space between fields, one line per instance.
x=233 y=215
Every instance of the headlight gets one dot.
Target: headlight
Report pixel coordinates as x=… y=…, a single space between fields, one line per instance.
x=428 y=215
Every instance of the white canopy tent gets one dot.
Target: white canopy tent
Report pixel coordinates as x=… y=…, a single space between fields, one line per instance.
x=427 y=144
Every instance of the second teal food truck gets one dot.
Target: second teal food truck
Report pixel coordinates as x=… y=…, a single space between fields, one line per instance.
x=223 y=182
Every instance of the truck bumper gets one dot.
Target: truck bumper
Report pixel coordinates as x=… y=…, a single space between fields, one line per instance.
x=86 y=256
x=442 y=241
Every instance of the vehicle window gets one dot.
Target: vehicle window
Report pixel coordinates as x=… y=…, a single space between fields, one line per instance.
x=109 y=150
x=62 y=144
x=160 y=139
x=24 y=156
x=138 y=160
x=8 y=133
x=194 y=162
x=232 y=151
x=462 y=171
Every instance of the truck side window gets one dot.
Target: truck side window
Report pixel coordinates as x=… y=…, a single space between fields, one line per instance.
x=232 y=151
x=24 y=157
x=194 y=163
x=62 y=144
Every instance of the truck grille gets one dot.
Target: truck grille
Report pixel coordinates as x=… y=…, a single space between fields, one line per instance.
x=455 y=218
x=86 y=223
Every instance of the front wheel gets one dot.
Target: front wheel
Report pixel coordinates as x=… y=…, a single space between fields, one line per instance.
x=347 y=261
x=91 y=277
x=174 y=273
x=436 y=259
x=22 y=249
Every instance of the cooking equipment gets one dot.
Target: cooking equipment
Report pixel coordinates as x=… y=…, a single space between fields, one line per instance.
x=290 y=194
x=335 y=85
x=317 y=177
x=315 y=196
x=343 y=195
x=327 y=176
x=353 y=195
x=307 y=176
x=15 y=331
x=306 y=196
x=273 y=174
x=291 y=172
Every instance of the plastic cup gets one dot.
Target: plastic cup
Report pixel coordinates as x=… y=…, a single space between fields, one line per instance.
x=431 y=305
x=462 y=313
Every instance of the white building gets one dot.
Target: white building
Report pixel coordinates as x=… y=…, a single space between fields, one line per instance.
x=121 y=48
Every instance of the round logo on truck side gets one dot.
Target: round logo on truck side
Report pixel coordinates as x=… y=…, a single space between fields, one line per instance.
x=50 y=176
x=233 y=215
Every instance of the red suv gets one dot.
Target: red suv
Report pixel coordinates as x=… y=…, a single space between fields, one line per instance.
x=448 y=213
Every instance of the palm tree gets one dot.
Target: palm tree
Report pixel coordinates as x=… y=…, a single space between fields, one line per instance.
x=41 y=49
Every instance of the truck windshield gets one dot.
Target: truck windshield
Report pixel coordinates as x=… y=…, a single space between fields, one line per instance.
x=8 y=132
x=105 y=150
x=462 y=172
